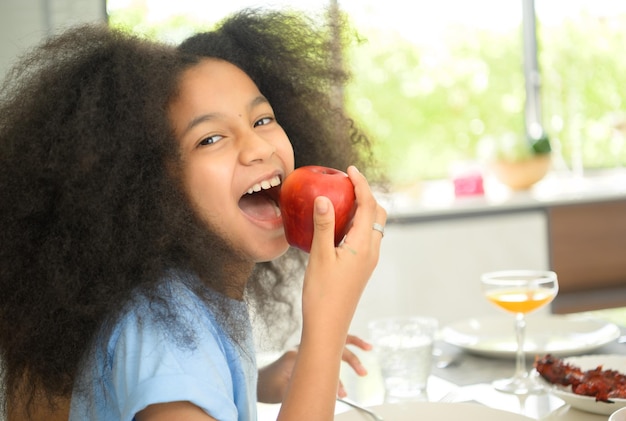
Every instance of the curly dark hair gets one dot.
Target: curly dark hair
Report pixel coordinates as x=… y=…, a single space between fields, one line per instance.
x=88 y=211
x=92 y=208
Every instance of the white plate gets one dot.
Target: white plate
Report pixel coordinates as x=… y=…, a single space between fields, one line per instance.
x=560 y=336
x=619 y=415
x=432 y=411
x=588 y=403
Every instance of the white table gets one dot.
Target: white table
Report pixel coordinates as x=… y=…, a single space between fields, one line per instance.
x=468 y=381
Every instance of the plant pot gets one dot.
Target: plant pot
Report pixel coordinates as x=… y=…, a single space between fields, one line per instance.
x=521 y=175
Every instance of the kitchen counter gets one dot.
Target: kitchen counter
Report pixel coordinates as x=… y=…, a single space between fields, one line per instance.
x=435 y=200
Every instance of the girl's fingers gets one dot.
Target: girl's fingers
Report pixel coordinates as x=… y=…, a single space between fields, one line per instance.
x=324 y=227
x=368 y=212
x=351 y=358
x=341 y=390
x=357 y=341
x=353 y=361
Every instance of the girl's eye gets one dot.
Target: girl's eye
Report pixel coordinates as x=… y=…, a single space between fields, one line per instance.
x=263 y=121
x=210 y=140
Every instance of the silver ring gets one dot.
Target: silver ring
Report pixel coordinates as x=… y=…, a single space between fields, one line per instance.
x=377 y=227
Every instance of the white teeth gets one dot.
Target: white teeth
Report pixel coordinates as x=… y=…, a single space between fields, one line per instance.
x=265 y=184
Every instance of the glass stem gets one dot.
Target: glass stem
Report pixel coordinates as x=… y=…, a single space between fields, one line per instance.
x=520 y=360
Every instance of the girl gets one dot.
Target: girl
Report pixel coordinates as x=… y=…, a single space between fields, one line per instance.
x=134 y=241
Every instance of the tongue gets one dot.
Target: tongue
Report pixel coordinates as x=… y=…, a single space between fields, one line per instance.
x=259 y=206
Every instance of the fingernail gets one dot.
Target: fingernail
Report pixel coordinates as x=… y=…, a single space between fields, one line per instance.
x=361 y=371
x=321 y=205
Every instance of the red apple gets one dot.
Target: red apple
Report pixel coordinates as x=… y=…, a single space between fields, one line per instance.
x=297 y=194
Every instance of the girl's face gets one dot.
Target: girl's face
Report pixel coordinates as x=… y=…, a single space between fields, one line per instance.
x=234 y=155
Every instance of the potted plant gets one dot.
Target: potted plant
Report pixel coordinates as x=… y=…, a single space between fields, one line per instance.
x=521 y=161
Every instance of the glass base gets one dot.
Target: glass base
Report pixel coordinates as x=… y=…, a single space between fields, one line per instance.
x=518 y=385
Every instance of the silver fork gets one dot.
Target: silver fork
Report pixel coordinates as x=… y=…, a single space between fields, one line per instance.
x=353 y=404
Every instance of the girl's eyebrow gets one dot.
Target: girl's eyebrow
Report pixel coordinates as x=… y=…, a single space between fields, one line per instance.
x=198 y=120
x=258 y=100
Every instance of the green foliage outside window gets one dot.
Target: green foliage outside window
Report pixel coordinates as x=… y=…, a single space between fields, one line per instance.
x=584 y=89
x=428 y=113
x=427 y=109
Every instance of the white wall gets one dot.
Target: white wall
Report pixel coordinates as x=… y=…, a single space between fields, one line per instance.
x=23 y=23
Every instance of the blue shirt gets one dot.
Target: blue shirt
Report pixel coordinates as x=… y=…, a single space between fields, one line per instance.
x=145 y=362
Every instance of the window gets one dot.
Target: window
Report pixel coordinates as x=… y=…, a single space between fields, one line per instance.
x=444 y=81
x=583 y=89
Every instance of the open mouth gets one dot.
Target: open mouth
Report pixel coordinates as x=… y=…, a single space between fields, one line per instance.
x=261 y=200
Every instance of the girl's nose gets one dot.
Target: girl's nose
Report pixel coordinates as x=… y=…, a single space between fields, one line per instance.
x=255 y=148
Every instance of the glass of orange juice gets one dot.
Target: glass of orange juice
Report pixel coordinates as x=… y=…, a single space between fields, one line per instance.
x=520 y=292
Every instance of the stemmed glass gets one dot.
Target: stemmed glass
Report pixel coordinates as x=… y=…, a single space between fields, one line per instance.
x=520 y=292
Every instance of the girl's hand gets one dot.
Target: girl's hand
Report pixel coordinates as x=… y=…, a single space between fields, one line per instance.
x=336 y=276
x=352 y=360
x=334 y=280
x=274 y=378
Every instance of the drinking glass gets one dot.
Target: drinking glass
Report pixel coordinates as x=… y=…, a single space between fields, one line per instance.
x=404 y=347
x=520 y=292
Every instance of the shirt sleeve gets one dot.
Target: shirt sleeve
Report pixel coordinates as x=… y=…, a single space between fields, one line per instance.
x=151 y=364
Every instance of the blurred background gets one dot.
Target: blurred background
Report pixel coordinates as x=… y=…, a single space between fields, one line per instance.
x=437 y=84
x=446 y=89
